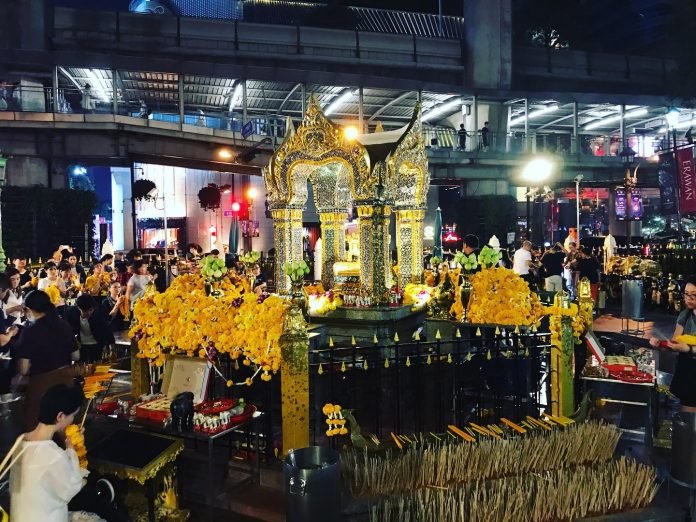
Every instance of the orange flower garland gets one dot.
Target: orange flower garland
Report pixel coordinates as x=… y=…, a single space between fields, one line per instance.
x=184 y=319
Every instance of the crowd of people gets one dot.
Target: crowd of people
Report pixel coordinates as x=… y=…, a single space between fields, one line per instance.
x=557 y=268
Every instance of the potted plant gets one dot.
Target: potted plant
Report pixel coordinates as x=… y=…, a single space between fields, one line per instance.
x=144 y=189
x=209 y=197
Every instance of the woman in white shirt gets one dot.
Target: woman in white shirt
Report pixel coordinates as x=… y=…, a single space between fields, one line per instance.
x=13 y=304
x=46 y=477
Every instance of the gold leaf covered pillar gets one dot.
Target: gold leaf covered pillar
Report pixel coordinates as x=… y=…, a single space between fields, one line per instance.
x=374 y=248
x=287 y=239
x=333 y=235
x=294 y=380
x=409 y=244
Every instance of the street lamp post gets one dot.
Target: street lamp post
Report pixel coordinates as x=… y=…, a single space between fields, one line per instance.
x=534 y=174
x=628 y=156
x=672 y=118
x=251 y=195
x=578 y=179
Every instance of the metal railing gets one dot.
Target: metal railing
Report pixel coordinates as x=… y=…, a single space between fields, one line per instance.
x=71 y=100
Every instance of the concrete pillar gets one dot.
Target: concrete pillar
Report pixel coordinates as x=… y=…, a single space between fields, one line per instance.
x=54 y=89
x=474 y=109
x=622 y=128
x=488 y=34
x=333 y=235
x=32 y=17
x=575 y=145
x=182 y=109
x=361 y=114
x=245 y=103
x=114 y=91
x=409 y=244
x=526 y=124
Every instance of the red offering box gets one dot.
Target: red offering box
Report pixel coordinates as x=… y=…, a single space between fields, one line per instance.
x=633 y=376
x=157 y=410
x=617 y=363
x=216 y=406
x=243 y=417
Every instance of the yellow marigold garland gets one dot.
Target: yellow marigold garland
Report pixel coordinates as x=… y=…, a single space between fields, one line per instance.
x=184 y=319
x=500 y=296
x=53 y=293
x=74 y=433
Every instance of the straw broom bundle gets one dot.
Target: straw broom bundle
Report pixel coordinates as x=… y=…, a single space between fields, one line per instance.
x=558 y=495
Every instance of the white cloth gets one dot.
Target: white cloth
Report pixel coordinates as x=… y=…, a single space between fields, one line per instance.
x=45 y=283
x=43 y=481
x=138 y=282
x=553 y=283
x=107 y=248
x=86 y=336
x=519 y=262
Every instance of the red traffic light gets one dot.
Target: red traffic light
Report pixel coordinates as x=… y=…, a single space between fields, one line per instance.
x=235 y=206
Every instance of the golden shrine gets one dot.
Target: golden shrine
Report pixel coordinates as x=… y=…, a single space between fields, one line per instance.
x=376 y=173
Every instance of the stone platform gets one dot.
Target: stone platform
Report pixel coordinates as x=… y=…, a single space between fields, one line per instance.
x=364 y=323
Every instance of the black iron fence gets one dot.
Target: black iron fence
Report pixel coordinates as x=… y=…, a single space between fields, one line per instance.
x=481 y=375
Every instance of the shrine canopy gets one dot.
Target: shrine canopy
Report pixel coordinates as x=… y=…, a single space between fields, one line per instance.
x=376 y=173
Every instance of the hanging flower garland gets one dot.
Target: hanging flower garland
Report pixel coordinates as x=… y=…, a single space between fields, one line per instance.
x=185 y=320
x=334 y=419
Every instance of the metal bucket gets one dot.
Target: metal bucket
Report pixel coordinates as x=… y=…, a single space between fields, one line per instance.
x=312 y=485
x=683 y=470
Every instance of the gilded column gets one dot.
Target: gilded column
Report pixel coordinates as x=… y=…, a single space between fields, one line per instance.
x=409 y=244
x=374 y=249
x=294 y=380
x=333 y=235
x=287 y=239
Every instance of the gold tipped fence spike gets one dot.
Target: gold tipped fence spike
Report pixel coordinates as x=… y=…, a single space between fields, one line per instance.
x=449 y=358
x=488 y=355
x=429 y=361
x=437 y=335
x=386 y=362
x=374 y=339
x=497 y=330
x=396 y=337
x=417 y=336
x=343 y=367
x=365 y=364
x=517 y=329
x=458 y=334
x=331 y=342
x=320 y=371
x=469 y=357
x=352 y=340
x=236 y=364
x=408 y=362
x=478 y=332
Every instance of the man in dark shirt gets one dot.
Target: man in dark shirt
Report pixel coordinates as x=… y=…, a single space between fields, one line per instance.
x=91 y=327
x=552 y=261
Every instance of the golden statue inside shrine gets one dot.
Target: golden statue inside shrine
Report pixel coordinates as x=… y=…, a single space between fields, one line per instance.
x=374 y=173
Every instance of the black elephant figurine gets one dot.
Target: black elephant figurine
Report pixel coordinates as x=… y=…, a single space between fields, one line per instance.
x=182 y=412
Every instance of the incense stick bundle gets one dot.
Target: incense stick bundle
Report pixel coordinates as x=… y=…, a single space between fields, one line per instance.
x=558 y=495
x=447 y=462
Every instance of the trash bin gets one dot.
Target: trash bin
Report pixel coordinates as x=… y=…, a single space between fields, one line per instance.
x=683 y=469
x=632 y=299
x=312 y=485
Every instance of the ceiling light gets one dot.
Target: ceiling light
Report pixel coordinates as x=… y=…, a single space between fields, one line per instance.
x=225 y=154
x=537 y=170
x=442 y=109
x=339 y=100
x=534 y=114
x=636 y=113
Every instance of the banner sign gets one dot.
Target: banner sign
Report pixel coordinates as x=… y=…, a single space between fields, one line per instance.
x=687 y=180
x=665 y=174
x=247 y=130
x=620 y=203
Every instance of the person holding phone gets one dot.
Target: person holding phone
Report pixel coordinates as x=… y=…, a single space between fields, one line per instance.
x=683 y=383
